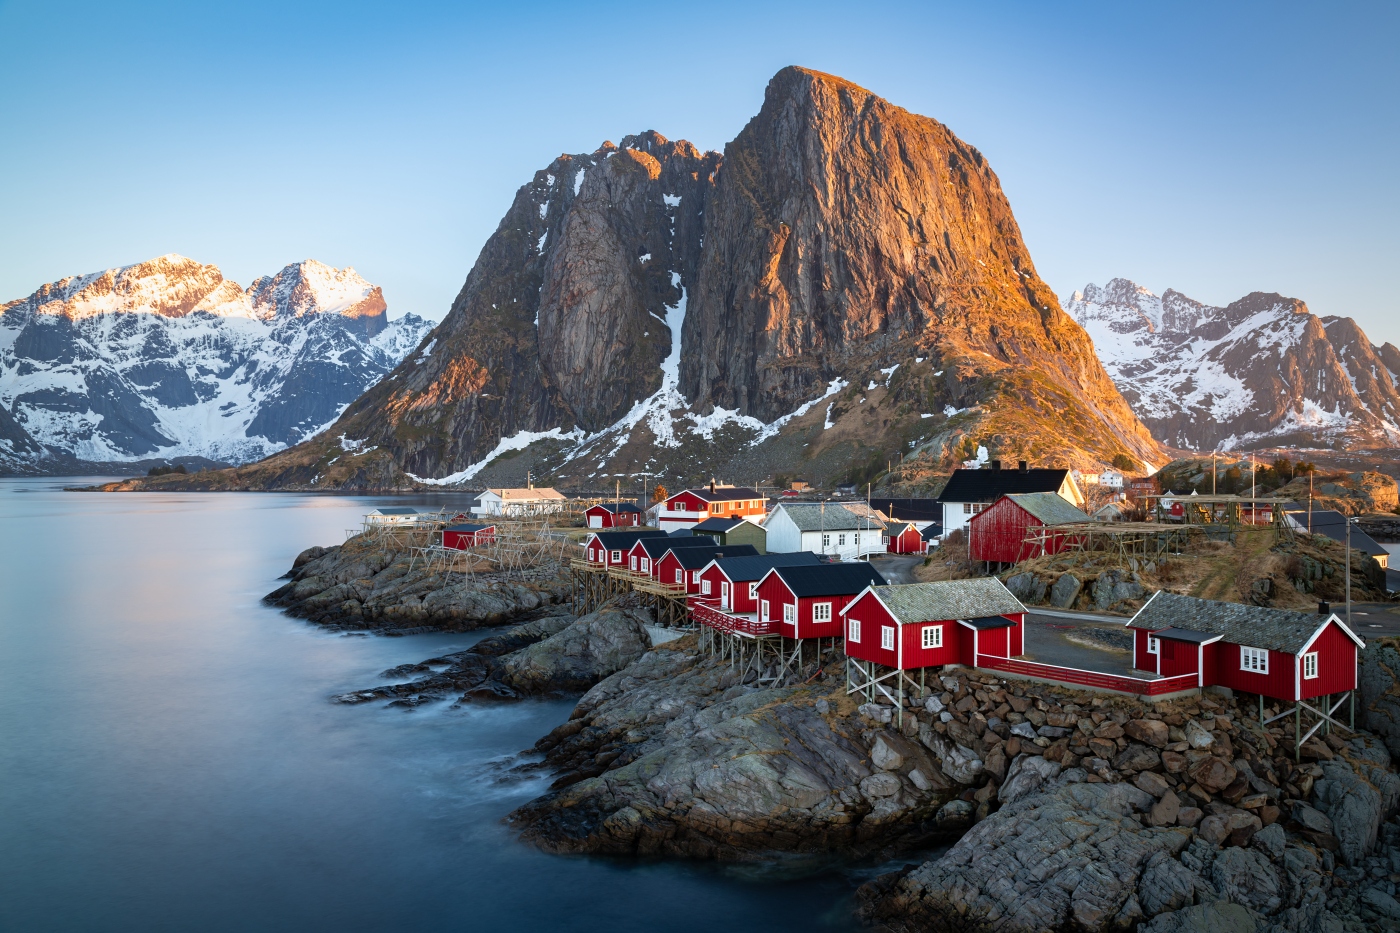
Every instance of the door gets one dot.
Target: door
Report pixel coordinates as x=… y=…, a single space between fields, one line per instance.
x=595 y=521
x=724 y=599
x=763 y=610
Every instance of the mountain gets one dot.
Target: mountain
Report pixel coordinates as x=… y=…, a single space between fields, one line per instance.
x=167 y=358
x=846 y=283
x=1263 y=371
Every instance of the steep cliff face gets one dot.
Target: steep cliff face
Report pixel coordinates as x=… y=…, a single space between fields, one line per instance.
x=168 y=358
x=846 y=283
x=1262 y=371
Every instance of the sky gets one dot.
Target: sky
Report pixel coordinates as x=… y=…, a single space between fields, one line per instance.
x=1217 y=149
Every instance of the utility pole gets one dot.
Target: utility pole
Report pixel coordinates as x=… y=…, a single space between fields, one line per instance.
x=1348 y=521
x=823 y=527
x=1212 y=472
x=1310 y=479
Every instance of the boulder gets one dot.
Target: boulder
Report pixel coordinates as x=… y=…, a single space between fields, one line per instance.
x=1212 y=773
x=1218 y=828
x=877 y=712
x=1167 y=885
x=1065 y=591
x=1026 y=587
x=955 y=815
x=1197 y=735
x=1026 y=776
x=1165 y=811
x=1147 y=731
x=958 y=762
x=1356 y=805
x=1246 y=876
x=1153 y=783
x=1137 y=758
x=1271 y=839
x=884 y=756
x=1212 y=917
x=882 y=784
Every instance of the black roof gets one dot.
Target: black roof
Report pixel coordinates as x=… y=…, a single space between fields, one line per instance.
x=932 y=530
x=982 y=623
x=988 y=485
x=719 y=524
x=655 y=547
x=724 y=493
x=1333 y=524
x=616 y=507
x=679 y=533
x=468 y=527
x=746 y=569
x=694 y=558
x=622 y=540
x=1186 y=634
x=829 y=579
x=910 y=510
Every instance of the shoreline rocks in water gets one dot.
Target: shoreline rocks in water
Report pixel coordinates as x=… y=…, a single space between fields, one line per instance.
x=551 y=656
x=358 y=586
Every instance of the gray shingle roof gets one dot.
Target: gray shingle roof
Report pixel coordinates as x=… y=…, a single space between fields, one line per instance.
x=835 y=518
x=948 y=599
x=1049 y=507
x=1254 y=626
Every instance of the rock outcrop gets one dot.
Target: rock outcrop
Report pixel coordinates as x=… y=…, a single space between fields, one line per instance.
x=848 y=275
x=357 y=585
x=1263 y=371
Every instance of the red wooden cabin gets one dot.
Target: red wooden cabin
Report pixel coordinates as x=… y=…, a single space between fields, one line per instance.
x=806 y=601
x=613 y=515
x=683 y=565
x=1277 y=653
x=917 y=625
x=467 y=534
x=734 y=579
x=610 y=548
x=689 y=507
x=997 y=534
x=905 y=539
x=645 y=555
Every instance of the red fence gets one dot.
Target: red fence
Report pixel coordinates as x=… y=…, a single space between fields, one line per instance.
x=1071 y=675
x=706 y=614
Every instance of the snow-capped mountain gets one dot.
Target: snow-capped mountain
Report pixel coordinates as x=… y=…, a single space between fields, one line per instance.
x=168 y=358
x=1261 y=372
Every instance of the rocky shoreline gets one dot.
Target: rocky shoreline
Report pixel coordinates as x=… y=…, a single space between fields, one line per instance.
x=1064 y=810
x=357 y=586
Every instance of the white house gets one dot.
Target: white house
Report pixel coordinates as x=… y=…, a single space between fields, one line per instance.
x=970 y=491
x=823 y=528
x=519 y=503
x=1111 y=478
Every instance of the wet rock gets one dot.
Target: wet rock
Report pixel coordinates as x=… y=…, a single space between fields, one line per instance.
x=579 y=655
x=955 y=815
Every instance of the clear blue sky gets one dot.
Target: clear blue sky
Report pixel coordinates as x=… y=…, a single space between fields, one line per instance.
x=1215 y=151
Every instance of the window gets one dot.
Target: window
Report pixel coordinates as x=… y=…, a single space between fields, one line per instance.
x=753 y=591
x=887 y=637
x=826 y=541
x=1254 y=659
x=592 y=553
x=680 y=576
x=646 y=565
x=1310 y=665
x=616 y=556
x=763 y=611
x=840 y=540
x=790 y=613
x=695 y=576
x=821 y=612
x=1153 y=645
x=705 y=587
x=933 y=636
x=978 y=506
x=714 y=507
x=855 y=629
x=967 y=508
x=857 y=542
x=634 y=563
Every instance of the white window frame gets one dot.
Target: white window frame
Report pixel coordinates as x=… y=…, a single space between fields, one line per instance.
x=680 y=577
x=854 y=633
x=694 y=576
x=763 y=610
x=616 y=557
x=1310 y=664
x=821 y=612
x=932 y=636
x=967 y=508
x=887 y=637
x=646 y=565
x=826 y=540
x=1254 y=660
x=1154 y=644
x=634 y=563
x=753 y=591
x=704 y=587
x=841 y=540
x=857 y=539
x=790 y=613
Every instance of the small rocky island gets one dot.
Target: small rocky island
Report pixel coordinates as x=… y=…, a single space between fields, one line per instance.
x=1052 y=809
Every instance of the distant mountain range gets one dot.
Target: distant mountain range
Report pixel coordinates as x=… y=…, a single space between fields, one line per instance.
x=1262 y=371
x=844 y=285
x=167 y=358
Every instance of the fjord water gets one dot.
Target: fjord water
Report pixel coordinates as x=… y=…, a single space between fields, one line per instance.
x=170 y=760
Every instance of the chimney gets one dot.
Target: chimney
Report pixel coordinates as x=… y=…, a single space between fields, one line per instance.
x=1022 y=465
x=1324 y=608
x=996 y=464
x=712 y=485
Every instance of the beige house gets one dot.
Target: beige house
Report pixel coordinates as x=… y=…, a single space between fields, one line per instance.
x=520 y=503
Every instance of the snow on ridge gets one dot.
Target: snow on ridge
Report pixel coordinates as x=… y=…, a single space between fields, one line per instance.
x=515 y=442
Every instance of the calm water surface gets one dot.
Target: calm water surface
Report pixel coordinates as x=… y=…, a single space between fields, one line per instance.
x=169 y=759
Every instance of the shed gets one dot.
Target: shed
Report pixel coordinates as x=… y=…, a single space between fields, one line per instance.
x=612 y=515
x=997 y=534
x=467 y=534
x=610 y=548
x=1277 y=653
x=918 y=625
x=733 y=530
x=394 y=515
x=968 y=492
x=647 y=552
x=904 y=538
x=683 y=565
x=807 y=601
